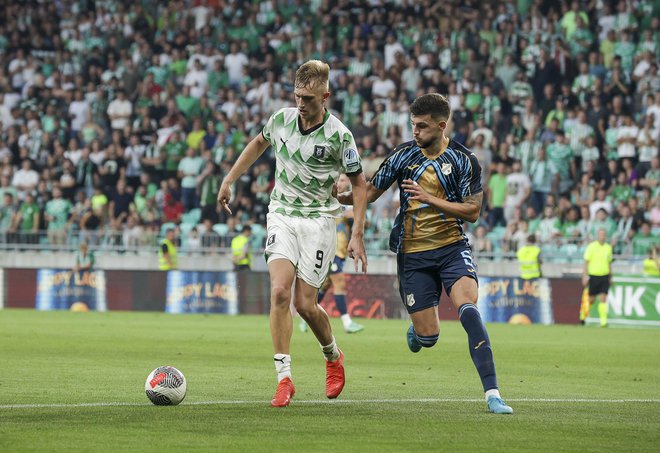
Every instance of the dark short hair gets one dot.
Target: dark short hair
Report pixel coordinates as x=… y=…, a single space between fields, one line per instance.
x=433 y=104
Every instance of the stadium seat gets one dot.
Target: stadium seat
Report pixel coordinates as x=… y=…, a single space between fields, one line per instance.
x=193 y=216
x=185 y=228
x=221 y=228
x=258 y=235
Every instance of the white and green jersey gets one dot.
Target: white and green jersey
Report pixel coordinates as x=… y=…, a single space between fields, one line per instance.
x=308 y=164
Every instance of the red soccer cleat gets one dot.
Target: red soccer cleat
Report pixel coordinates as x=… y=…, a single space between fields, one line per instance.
x=334 y=377
x=284 y=393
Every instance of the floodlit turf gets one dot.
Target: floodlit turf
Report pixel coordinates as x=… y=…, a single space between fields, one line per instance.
x=393 y=400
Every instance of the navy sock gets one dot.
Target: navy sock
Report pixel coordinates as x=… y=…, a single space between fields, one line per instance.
x=320 y=297
x=340 y=301
x=479 y=344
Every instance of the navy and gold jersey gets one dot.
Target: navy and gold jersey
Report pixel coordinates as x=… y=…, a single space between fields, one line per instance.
x=343 y=235
x=452 y=175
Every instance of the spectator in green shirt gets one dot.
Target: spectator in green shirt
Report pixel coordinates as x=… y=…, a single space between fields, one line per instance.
x=644 y=239
x=497 y=187
x=7 y=214
x=58 y=216
x=187 y=104
x=27 y=220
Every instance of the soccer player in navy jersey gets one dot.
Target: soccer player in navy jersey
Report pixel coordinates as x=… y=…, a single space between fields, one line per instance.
x=440 y=182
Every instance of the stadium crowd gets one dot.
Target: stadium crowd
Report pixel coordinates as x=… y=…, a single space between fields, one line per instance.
x=120 y=117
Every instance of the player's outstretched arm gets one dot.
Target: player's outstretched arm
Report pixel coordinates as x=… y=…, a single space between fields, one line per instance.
x=355 y=247
x=250 y=154
x=468 y=210
x=372 y=195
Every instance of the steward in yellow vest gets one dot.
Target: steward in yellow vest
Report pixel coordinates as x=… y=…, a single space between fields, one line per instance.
x=529 y=260
x=167 y=252
x=240 y=249
x=652 y=264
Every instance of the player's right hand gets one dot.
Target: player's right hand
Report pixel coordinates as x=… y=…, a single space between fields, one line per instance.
x=356 y=251
x=224 y=195
x=585 y=280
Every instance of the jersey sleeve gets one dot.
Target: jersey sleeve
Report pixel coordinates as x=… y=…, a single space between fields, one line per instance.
x=471 y=178
x=350 y=159
x=386 y=174
x=268 y=128
x=587 y=253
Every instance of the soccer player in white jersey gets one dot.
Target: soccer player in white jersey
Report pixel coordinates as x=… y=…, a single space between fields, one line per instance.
x=312 y=148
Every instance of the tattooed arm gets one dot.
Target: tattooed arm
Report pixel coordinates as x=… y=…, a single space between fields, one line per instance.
x=468 y=210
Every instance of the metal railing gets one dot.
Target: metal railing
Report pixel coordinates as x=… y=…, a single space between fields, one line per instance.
x=147 y=242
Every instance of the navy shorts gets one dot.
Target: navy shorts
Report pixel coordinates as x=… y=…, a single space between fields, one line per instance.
x=337 y=266
x=423 y=274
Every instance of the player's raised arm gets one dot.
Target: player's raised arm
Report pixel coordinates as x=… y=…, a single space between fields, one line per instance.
x=355 y=247
x=467 y=210
x=250 y=154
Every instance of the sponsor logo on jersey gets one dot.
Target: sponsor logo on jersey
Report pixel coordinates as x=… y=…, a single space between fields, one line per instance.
x=319 y=151
x=271 y=240
x=410 y=300
x=446 y=169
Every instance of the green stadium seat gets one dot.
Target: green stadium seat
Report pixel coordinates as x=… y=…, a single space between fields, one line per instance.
x=221 y=229
x=258 y=235
x=193 y=216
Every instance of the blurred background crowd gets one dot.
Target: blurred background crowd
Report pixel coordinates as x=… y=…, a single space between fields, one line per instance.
x=118 y=119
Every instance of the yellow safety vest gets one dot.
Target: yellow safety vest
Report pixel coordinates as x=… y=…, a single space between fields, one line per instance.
x=171 y=251
x=528 y=259
x=237 y=246
x=650 y=267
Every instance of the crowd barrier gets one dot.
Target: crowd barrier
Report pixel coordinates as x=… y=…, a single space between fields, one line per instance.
x=552 y=300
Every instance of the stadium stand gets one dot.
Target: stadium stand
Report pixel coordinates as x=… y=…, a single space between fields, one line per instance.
x=119 y=119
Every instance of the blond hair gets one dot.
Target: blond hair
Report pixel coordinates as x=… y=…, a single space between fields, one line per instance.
x=311 y=74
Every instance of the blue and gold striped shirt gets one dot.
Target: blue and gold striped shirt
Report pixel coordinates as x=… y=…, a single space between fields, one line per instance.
x=452 y=175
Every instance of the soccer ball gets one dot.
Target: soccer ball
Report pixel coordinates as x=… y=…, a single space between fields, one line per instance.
x=166 y=386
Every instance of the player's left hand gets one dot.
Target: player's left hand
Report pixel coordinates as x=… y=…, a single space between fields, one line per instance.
x=416 y=191
x=355 y=250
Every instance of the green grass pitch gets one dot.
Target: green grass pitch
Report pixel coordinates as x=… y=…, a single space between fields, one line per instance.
x=75 y=382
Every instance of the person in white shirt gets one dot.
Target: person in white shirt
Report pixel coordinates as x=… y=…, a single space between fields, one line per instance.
x=234 y=63
x=383 y=86
x=601 y=202
x=627 y=138
x=119 y=111
x=392 y=47
x=519 y=188
x=78 y=110
x=25 y=179
x=201 y=15
x=197 y=80
x=73 y=152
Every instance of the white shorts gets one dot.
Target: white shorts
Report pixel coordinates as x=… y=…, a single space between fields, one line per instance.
x=308 y=243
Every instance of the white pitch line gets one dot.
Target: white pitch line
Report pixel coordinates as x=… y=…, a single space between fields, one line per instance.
x=369 y=401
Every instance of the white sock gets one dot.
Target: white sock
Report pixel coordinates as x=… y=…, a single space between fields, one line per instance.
x=283 y=366
x=330 y=351
x=346 y=319
x=492 y=392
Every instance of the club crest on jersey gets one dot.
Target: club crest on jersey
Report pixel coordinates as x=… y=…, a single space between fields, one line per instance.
x=319 y=151
x=410 y=300
x=446 y=169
